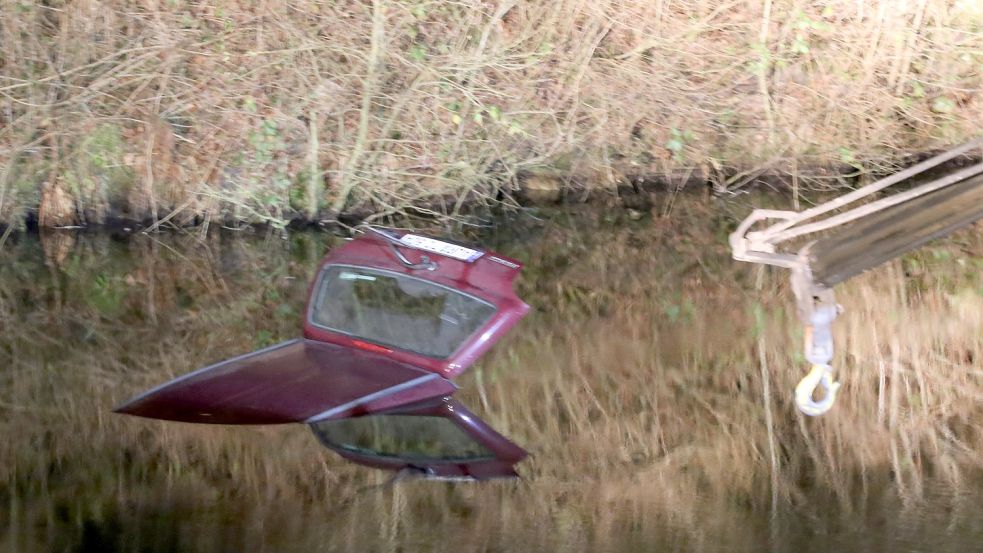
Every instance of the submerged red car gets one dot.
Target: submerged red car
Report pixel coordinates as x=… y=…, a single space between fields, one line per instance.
x=391 y=318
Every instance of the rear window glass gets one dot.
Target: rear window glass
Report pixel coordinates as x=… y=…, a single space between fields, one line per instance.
x=411 y=437
x=397 y=310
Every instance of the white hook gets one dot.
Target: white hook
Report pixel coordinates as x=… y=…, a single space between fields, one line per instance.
x=820 y=375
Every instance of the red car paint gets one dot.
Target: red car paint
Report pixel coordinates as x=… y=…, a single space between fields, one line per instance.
x=296 y=381
x=330 y=375
x=489 y=278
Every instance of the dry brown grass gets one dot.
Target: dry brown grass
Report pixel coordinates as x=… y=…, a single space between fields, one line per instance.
x=259 y=111
x=636 y=385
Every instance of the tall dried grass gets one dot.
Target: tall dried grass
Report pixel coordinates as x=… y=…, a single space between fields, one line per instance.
x=264 y=112
x=637 y=385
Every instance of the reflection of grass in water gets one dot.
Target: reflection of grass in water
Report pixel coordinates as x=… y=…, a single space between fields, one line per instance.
x=638 y=420
x=385 y=293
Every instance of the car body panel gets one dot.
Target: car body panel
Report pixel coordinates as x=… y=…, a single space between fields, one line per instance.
x=295 y=381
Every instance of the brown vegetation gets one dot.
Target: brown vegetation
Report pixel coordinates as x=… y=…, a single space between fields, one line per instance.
x=260 y=111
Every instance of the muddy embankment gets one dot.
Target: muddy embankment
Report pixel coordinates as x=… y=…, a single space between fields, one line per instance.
x=637 y=194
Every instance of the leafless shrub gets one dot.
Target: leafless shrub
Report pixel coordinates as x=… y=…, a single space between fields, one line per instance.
x=257 y=111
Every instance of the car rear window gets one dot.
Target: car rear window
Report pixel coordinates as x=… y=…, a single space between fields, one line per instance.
x=397 y=310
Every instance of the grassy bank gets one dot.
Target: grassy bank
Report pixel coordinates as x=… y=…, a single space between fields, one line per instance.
x=652 y=385
x=261 y=112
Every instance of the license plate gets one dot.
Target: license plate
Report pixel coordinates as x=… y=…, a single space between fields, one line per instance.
x=446 y=249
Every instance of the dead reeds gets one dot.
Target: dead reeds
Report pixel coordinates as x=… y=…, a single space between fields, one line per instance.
x=263 y=113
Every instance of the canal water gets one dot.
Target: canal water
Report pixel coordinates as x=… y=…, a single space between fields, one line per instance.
x=651 y=384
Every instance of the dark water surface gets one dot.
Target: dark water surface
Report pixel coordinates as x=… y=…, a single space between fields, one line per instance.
x=637 y=385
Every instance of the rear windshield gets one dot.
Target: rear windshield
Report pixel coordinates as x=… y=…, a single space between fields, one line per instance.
x=412 y=437
x=397 y=310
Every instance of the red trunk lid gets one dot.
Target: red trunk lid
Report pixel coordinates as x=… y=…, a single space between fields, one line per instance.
x=295 y=381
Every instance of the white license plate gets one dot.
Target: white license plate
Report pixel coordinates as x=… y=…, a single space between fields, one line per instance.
x=443 y=248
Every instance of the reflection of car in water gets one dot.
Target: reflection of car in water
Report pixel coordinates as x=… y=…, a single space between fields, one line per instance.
x=391 y=318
